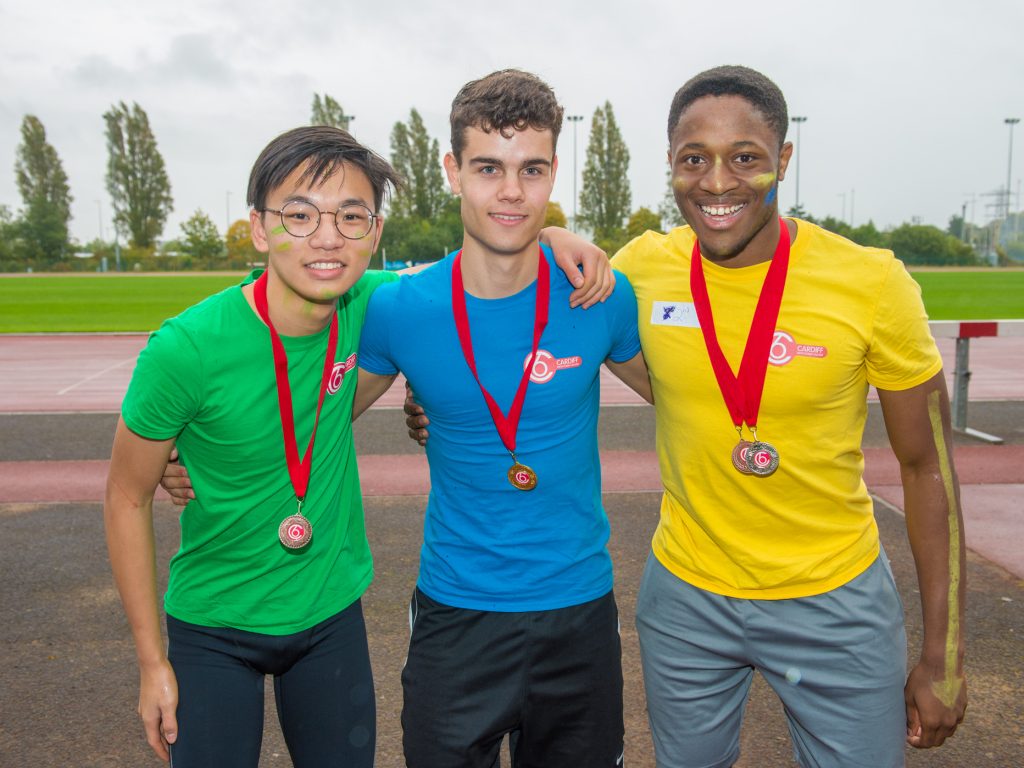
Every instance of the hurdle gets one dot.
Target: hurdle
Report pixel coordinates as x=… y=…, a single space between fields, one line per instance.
x=963 y=331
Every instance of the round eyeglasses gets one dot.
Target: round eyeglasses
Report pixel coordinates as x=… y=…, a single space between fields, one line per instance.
x=301 y=219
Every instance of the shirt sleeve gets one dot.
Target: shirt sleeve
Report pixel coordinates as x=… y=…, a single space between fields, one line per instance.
x=375 y=343
x=902 y=352
x=622 y=321
x=165 y=390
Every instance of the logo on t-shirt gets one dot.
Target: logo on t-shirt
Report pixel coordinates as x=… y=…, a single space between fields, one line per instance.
x=338 y=373
x=784 y=348
x=546 y=365
x=678 y=313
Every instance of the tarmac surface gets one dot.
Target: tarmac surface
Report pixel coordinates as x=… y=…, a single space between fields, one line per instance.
x=69 y=684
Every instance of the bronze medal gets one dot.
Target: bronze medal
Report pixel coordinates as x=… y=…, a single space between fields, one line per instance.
x=739 y=457
x=762 y=458
x=295 y=531
x=522 y=477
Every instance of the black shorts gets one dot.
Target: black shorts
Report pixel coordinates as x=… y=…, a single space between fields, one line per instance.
x=551 y=680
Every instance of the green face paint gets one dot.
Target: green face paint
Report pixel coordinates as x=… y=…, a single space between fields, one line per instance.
x=278 y=230
x=948 y=690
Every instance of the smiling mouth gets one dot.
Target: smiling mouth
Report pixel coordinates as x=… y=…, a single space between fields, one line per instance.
x=509 y=218
x=721 y=210
x=325 y=265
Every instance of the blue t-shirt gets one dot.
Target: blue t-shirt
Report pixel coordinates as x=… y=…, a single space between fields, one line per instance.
x=487 y=545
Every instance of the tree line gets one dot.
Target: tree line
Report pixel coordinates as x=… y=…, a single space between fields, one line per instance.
x=423 y=221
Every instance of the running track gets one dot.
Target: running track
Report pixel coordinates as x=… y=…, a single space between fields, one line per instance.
x=89 y=373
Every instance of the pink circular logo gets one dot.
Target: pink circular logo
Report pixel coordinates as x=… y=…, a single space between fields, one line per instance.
x=544 y=367
x=336 y=378
x=522 y=477
x=783 y=348
x=296 y=531
x=762 y=458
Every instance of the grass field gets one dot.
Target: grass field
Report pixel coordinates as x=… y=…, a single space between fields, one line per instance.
x=44 y=303
x=100 y=302
x=972 y=295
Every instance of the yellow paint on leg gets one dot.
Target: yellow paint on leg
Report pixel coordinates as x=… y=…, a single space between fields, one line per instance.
x=948 y=690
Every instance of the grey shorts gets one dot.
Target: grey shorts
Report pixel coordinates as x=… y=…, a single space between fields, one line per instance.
x=837 y=661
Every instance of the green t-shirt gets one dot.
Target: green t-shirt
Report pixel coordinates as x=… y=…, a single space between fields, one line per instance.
x=207 y=378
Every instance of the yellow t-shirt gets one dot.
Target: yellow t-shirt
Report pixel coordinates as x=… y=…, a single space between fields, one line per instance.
x=851 y=316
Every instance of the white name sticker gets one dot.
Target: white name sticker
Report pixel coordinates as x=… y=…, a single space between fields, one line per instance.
x=678 y=313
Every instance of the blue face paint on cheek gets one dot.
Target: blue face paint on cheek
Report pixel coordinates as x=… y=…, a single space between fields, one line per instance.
x=770 y=197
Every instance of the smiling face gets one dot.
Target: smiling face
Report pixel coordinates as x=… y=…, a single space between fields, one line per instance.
x=306 y=272
x=726 y=166
x=505 y=182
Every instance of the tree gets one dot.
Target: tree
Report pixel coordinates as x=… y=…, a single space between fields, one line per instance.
x=240 y=250
x=605 y=199
x=417 y=158
x=44 y=190
x=10 y=259
x=868 y=235
x=643 y=219
x=668 y=210
x=412 y=239
x=136 y=178
x=554 y=216
x=201 y=240
x=327 y=111
x=923 y=244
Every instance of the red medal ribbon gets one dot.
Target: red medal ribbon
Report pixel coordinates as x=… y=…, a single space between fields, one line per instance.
x=507 y=425
x=742 y=394
x=299 y=470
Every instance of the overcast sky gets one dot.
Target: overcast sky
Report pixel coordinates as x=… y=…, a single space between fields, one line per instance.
x=905 y=100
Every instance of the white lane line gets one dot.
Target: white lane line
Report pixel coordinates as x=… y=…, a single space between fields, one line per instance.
x=95 y=375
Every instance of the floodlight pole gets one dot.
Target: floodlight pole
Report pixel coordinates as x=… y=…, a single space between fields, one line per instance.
x=799 y=120
x=574 y=119
x=1010 y=121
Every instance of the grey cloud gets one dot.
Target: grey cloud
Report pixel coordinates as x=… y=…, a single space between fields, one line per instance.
x=191 y=58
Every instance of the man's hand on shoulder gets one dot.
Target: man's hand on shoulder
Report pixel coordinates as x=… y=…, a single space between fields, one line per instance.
x=571 y=252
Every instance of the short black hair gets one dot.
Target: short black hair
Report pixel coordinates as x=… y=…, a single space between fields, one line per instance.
x=324 y=149
x=731 y=80
x=505 y=101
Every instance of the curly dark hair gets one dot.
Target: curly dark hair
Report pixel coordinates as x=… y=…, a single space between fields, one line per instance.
x=730 y=80
x=325 y=149
x=505 y=101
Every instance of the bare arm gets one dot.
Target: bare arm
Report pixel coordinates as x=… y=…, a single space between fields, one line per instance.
x=135 y=468
x=634 y=375
x=369 y=388
x=572 y=251
x=917 y=421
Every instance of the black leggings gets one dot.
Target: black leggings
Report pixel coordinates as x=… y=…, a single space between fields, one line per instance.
x=322 y=684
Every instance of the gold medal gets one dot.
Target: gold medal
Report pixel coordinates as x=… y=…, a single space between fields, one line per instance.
x=522 y=477
x=295 y=531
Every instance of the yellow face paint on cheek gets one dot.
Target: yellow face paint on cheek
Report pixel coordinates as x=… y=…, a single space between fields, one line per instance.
x=286 y=246
x=680 y=183
x=763 y=180
x=948 y=690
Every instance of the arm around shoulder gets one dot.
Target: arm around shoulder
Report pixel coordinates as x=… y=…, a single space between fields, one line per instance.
x=633 y=373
